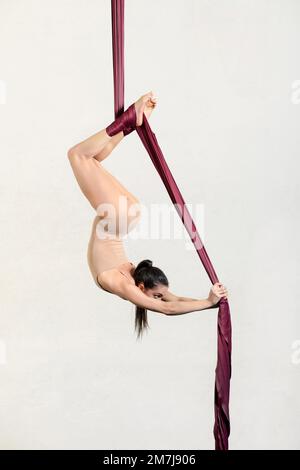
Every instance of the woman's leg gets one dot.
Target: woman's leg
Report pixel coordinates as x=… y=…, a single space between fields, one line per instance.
x=100 y=145
x=108 y=148
x=96 y=183
x=96 y=143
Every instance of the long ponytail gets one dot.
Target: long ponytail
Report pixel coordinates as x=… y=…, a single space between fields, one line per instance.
x=150 y=276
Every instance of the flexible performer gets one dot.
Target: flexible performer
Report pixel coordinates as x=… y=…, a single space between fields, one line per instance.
x=145 y=285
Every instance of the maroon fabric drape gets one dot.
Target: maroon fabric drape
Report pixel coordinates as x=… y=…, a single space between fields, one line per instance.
x=223 y=369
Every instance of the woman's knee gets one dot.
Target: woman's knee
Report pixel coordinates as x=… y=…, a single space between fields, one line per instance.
x=74 y=155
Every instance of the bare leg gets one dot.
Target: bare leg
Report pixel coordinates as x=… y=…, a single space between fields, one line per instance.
x=94 y=144
x=96 y=183
x=108 y=148
x=100 y=145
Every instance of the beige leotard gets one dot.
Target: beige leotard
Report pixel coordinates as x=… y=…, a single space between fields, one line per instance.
x=108 y=253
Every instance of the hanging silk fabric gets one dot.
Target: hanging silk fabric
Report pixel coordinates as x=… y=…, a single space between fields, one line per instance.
x=221 y=428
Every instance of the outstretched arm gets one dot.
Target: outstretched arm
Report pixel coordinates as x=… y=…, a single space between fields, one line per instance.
x=179 y=305
x=175 y=299
x=133 y=294
x=169 y=296
x=174 y=307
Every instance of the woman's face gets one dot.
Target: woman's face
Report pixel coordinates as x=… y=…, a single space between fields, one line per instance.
x=156 y=292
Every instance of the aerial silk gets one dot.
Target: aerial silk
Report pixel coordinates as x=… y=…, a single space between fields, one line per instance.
x=221 y=428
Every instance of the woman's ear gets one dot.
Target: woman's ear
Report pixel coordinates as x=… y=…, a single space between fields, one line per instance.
x=141 y=286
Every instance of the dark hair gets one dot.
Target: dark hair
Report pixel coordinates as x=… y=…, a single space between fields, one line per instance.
x=150 y=276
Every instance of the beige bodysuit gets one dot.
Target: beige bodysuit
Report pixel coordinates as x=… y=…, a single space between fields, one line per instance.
x=106 y=249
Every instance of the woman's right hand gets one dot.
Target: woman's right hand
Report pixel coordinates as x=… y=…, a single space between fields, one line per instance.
x=217 y=292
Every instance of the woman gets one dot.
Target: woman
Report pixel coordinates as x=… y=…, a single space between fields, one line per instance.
x=144 y=285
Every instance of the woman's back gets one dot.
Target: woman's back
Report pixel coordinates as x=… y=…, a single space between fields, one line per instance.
x=104 y=254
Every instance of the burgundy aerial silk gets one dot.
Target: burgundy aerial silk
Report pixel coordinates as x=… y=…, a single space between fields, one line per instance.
x=221 y=428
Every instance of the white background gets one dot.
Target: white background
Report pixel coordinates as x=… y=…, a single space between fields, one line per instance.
x=72 y=373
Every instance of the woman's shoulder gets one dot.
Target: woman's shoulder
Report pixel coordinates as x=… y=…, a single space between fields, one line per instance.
x=113 y=279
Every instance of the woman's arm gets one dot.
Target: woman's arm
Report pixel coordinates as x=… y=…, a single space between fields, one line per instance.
x=179 y=305
x=132 y=293
x=168 y=296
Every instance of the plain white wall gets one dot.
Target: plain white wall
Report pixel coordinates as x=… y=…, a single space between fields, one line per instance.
x=72 y=373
